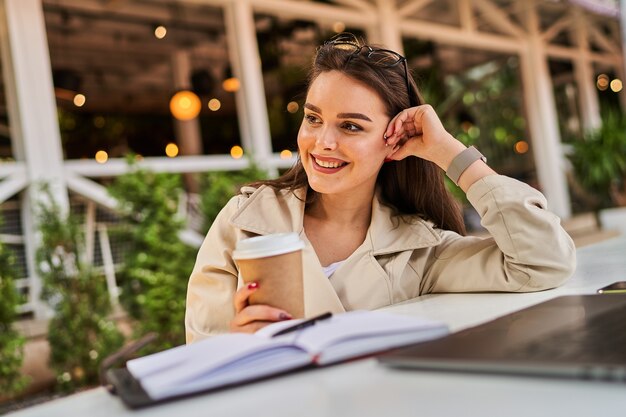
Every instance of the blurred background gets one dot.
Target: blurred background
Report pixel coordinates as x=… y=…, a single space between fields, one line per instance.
x=125 y=125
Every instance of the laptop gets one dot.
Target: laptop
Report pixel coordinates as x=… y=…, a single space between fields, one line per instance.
x=581 y=336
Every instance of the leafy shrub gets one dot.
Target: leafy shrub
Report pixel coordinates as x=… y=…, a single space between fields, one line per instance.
x=11 y=343
x=157 y=264
x=219 y=186
x=599 y=160
x=80 y=334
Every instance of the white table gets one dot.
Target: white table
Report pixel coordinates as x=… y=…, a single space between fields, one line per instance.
x=365 y=388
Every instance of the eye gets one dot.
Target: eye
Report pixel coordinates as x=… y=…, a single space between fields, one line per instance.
x=312 y=119
x=351 y=127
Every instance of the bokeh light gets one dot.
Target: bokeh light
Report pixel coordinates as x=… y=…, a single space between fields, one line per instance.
x=521 y=147
x=79 y=100
x=102 y=157
x=171 y=150
x=214 y=104
x=236 y=151
x=160 y=32
x=185 y=105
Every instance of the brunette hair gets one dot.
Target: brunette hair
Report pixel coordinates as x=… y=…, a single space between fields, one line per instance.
x=412 y=185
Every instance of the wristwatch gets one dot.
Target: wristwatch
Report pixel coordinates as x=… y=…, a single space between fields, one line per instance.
x=462 y=161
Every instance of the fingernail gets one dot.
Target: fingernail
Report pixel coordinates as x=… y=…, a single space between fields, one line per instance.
x=284 y=316
x=253 y=285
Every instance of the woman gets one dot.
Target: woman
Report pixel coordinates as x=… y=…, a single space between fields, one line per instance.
x=367 y=196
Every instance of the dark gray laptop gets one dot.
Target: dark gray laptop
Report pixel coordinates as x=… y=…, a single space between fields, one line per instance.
x=570 y=336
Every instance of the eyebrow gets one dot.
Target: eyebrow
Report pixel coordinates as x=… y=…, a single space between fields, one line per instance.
x=360 y=116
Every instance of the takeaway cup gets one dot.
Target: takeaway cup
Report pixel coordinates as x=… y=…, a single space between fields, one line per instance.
x=275 y=263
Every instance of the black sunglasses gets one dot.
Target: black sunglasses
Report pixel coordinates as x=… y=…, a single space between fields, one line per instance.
x=385 y=58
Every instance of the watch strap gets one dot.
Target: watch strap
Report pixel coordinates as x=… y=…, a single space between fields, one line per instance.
x=462 y=161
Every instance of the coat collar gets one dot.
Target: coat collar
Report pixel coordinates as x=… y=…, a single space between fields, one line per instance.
x=388 y=231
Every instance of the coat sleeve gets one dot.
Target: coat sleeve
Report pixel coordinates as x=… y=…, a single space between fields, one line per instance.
x=213 y=281
x=528 y=249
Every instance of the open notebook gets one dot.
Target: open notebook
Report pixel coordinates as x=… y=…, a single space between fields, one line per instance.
x=232 y=359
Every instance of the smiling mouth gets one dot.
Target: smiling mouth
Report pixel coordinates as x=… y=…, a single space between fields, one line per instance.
x=329 y=164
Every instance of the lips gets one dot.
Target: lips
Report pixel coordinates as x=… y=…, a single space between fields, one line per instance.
x=327 y=164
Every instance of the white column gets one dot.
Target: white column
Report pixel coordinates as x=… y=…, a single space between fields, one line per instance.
x=33 y=118
x=542 y=117
x=187 y=131
x=389 y=26
x=588 y=103
x=235 y=65
x=251 y=77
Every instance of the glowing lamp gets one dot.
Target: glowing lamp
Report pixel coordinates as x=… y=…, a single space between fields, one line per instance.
x=185 y=105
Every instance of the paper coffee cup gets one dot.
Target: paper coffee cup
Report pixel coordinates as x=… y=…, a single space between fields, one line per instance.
x=275 y=263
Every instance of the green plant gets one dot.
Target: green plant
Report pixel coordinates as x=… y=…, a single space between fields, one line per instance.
x=219 y=186
x=80 y=333
x=157 y=264
x=599 y=160
x=11 y=343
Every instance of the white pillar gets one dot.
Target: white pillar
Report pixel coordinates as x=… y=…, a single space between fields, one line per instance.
x=542 y=117
x=588 y=103
x=251 y=77
x=187 y=131
x=389 y=26
x=235 y=65
x=622 y=72
x=33 y=118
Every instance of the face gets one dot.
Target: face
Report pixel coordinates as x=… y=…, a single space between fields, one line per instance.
x=341 y=137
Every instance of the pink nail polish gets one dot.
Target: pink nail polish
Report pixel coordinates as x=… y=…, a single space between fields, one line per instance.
x=284 y=316
x=253 y=285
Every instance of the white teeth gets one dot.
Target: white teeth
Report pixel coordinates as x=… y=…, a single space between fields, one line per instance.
x=327 y=164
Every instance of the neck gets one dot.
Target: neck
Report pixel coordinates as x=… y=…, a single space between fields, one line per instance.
x=346 y=211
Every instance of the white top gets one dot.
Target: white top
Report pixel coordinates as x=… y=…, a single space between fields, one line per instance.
x=330 y=269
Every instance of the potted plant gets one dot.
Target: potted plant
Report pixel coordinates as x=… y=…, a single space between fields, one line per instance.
x=599 y=166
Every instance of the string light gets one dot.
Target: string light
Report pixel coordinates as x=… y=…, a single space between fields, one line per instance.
x=236 y=152
x=214 y=104
x=102 y=157
x=616 y=85
x=521 y=147
x=285 y=154
x=292 y=107
x=171 y=150
x=602 y=82
x=79 y=100
x=231 y=84
x=160 y=32
x=339 y=27
x=185 y=105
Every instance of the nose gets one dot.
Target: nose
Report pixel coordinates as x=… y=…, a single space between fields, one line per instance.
x=326 y=139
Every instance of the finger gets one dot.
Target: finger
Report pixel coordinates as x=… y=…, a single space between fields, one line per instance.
x=260 y=312
x=252 y=327
x=243 y=294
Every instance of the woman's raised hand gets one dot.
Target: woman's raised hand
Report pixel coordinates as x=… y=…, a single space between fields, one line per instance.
x=250 y=318
x=417 y=131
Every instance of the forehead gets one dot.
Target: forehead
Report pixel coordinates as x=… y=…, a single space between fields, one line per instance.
x=334 y=91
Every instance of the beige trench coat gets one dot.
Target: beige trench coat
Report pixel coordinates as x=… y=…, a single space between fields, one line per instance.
x=402 y=257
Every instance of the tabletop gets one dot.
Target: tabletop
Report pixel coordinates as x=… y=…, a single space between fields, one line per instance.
x=366 y=388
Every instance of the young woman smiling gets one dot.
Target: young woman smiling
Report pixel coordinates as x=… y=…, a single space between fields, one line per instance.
x=367 y=196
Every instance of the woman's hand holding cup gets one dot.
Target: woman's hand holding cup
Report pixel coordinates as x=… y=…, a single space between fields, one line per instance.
x=250 y=318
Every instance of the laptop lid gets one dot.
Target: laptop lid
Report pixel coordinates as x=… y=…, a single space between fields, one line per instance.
x=581 y=336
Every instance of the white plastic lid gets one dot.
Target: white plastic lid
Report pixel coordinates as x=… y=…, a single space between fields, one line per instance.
x=268 y=245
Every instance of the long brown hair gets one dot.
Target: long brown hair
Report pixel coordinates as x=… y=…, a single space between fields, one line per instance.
x=412 y=185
